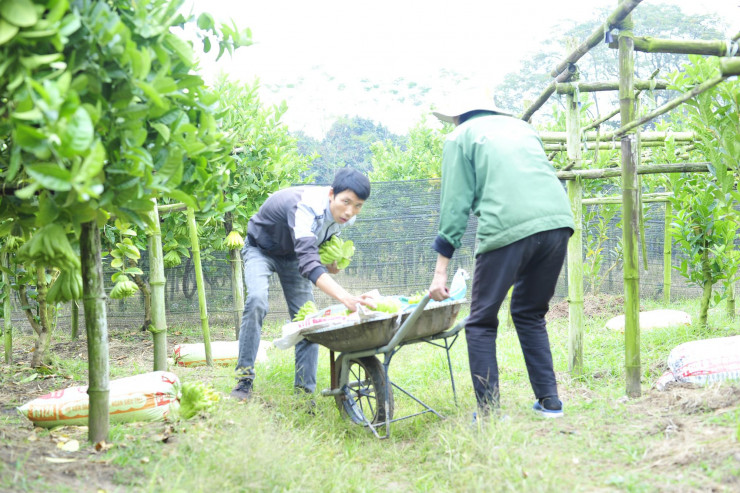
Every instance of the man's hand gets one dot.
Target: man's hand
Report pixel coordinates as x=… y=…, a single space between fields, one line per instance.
x=332 y=268
x=364 y=299
x=438 y=289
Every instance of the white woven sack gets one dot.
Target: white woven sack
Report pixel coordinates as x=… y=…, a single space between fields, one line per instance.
x=653 y=319
x=706 y=361
x=146 y=397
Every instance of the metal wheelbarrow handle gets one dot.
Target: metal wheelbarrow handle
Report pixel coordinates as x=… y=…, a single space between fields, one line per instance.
x=409 y=322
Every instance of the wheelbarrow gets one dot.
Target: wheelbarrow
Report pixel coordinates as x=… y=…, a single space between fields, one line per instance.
x=359 y=381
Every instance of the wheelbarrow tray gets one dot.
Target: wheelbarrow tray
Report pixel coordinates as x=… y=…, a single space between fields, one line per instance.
x=378 y=332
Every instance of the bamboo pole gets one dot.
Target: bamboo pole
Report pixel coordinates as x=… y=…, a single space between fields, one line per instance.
x=165 y=208
x=629 y=216
x=7 y=310
x=611 y=145
x=643 y=170
x=597 y=36
x=237 y=279
x=704 y=86
x=572 y=88
x=661 y=137
x=667 y=253
x=617 y=199
x=648 y=44
x=575 y=245
x=614 y=113
x=195 y=246
x=563 y=76
x=75 y=320
x=730 y=66
x=96 y=324
x=157 y=283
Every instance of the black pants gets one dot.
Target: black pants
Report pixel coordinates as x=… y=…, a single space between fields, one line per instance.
x=532 y=265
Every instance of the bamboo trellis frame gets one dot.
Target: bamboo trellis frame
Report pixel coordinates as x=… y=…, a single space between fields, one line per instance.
x=630 y=143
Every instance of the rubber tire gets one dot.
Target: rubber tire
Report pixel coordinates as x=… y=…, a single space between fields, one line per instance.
x=370 y=397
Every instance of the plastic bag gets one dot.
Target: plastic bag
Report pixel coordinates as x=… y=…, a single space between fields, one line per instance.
x=458 y=287
x=222 y=352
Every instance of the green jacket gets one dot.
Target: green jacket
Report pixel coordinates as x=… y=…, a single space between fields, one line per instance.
x=495 y=166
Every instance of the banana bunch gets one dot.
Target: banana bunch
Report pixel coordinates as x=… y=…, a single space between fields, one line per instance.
x=336 y=250
x=67 y=287
x=196 y=397
x=416 y=298
x=49 y=246
x=172 y=259
x=388 y=304
x=124 y=288
x=234 y=240
x=308 y=308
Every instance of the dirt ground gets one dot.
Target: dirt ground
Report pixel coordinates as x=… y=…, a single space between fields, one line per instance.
x=30 y=454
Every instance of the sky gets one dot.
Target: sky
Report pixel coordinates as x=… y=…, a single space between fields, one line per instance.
x=390 y=60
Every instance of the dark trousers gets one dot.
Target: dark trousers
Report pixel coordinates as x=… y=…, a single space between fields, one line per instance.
x=532 y=265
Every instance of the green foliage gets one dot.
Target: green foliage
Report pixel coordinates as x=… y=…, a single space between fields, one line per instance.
x=347 y=143
x=706 y=219
x=420 y=158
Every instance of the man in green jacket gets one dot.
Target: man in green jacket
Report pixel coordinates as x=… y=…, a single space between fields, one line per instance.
x=495 y=166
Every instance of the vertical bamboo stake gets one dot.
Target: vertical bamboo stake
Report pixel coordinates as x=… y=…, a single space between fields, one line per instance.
x=731 y=301
x=667 y=254
x=157 y=283
x=630 y=213
x=575 y=244
x=75 y=320
x=195 y=246
x=96 y=324
x=237 y=279
x=7 y=327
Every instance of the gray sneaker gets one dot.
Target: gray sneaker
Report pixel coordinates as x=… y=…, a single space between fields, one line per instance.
x=243 y=390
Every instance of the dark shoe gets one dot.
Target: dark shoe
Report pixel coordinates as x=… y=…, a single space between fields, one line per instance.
x=243 y=390
x=549 y=407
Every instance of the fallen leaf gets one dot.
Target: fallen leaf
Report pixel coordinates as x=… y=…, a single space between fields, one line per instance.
x=102 y=446
x=30 y=378
x=69 y=446
x=145 y=460
x=32 y=437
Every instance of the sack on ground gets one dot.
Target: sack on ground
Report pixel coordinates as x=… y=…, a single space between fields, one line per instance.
x=653 y=319
x=703 y=362
x=222 y=352
x=146 y=397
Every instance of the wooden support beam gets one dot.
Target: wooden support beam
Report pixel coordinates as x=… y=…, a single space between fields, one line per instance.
x=570 y=88
x=597 y=36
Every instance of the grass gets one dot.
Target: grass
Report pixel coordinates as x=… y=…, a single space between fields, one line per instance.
x=605 y=443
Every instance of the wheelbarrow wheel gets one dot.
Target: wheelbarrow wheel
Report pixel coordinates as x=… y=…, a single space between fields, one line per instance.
x=365 y=396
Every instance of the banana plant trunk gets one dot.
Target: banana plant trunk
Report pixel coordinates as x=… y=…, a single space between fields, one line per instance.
x=195 y=246
x=157 y=313
x=7 y=326
x=630 y=214
x=96 y=325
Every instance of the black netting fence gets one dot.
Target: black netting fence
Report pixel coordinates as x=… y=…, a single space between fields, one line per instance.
x=393 y=237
